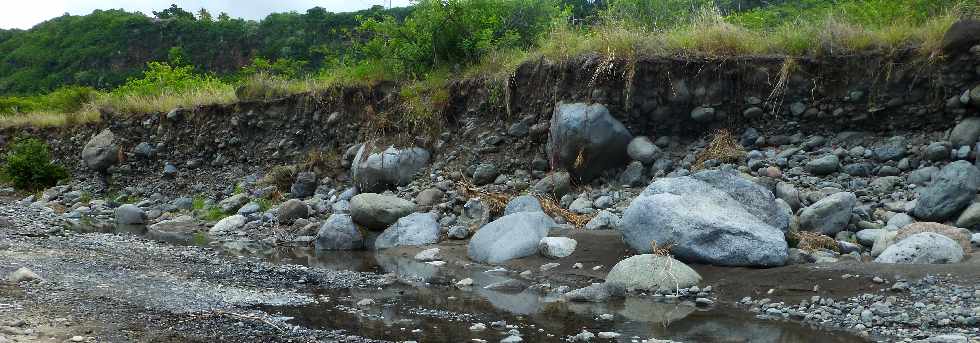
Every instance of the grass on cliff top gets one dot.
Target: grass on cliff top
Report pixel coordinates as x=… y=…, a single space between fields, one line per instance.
x=794 y=29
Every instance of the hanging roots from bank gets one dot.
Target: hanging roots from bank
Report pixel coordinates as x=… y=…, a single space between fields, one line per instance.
x=496 y=202
x=724 y=147
x=812 y=241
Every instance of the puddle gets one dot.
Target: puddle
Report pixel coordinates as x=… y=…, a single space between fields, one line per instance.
x=431 y=311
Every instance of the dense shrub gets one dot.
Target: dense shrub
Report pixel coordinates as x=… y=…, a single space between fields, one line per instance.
x=27 y=165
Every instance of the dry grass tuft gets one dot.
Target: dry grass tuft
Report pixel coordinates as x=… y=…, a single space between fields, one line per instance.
x=812 y=241
x=724 y=147
x=496 y=202
x=551 y=207
x=281 y=176
x=48 y=119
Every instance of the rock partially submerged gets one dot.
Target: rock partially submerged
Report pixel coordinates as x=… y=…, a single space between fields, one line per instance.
x=339 y=233
x=651 y=272
x=411 y=230
x=713 y=217
x=512 y=236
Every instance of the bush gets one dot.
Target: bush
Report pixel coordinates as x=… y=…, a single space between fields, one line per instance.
x=28 y=166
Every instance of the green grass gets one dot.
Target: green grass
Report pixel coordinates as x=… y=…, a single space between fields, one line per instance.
x=213 y=213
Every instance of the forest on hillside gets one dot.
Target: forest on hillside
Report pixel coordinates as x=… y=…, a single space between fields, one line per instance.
x=136 y=62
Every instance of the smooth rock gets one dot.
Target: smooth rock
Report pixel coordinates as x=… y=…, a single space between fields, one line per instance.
x=512 y=236
x=376 y=211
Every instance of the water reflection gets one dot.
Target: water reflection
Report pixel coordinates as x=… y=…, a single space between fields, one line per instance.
x=443 y=314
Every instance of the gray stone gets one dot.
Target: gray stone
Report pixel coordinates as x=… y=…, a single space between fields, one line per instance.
x=523 y=203
x=429 y=197
x=860 y=169
x=604 y=220
x=485 y=173
x=129 y=214
x=937 y=151
x=293 y=209
x=830 y=215
x=101 y=152
x=304 y=186
x=923 y=248
x=892 y=150
x=965 y=132
x=788 y=193
x=180 y=230
x=643 y=150
x=922 y=176
x=899 y=220
x=144 y=150
x=556 y=184
x=184 y=203
x=703 y=114
x=826 y=165
x=632 y=175
x=961 y=36
x=458 y=232
x=595 y=292
x=714 y=217
x=412 y=230
x=250 y=209
x=227 y=225
x=339 y=233
x=586 y=140
x=233 y=203
x=970 y=218
x=953 y=190
x=867 y=237
x=377 y=212
x=650 y=272
x=376 y=171
x=22 y=274
x=557 y=247
x=512 y=236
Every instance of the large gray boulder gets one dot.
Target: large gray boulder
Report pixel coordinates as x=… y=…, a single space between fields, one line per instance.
x=339 y=233
x=412 y=230
x=376 y=211
x=923 y=248
x=961 y=36
x=952 y=190
x=714 y=217
x=830 y=215
x=650 y=272
x=586 y=140
x=512 y=236
x=101 y=152
x=375 y=171
x=965 y=132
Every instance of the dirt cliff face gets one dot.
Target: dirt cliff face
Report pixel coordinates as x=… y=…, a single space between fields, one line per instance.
x=682 y=98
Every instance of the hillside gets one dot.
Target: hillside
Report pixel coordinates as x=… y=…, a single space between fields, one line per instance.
x=104 y=48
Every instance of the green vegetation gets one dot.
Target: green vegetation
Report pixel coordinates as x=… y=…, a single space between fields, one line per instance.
x=27 y=166
x=222 y=60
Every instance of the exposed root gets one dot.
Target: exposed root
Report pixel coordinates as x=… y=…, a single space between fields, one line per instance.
x=724 y=147
x=551 y=207
x=496 y=202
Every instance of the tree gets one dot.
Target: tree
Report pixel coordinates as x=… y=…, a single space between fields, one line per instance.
x=204 y=15
x=173 y=12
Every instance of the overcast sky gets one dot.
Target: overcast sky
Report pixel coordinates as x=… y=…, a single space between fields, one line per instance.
x=23 y=14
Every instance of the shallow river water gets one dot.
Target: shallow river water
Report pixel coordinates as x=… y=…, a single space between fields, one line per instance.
x=431 y=310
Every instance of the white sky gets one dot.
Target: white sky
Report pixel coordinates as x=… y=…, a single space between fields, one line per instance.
x=24 y=14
